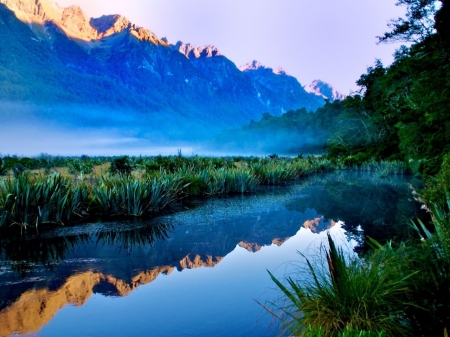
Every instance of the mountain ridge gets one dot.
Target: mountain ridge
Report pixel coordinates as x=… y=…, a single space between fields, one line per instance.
x=110 y=62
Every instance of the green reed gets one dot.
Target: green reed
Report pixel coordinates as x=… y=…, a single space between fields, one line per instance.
x=347 y=292
x=128 y=196
x=275 y=172
x=385 y=168
x=30 y=200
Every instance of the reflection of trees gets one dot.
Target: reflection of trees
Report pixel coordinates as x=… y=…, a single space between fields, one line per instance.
x=24 y=254
x=128 y=239
x=381 y=206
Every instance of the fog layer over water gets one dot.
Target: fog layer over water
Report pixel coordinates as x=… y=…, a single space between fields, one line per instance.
x=27 y=129
x=73 y=130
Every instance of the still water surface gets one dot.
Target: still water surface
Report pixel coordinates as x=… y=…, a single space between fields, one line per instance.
x=192 y=273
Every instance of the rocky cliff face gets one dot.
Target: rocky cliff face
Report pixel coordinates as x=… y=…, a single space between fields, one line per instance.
x=109 y=61
x=73 y=22
x=194 y=52
x=277 y=90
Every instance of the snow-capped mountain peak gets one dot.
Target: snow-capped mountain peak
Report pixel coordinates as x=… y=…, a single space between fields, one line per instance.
x=321 y=88
x=279 y=71
x=252 y=65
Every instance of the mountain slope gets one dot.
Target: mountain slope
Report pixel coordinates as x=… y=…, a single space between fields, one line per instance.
x=277 y=90
x=54 y=55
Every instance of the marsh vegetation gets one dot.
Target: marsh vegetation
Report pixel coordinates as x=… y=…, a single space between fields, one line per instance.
x=131 y=187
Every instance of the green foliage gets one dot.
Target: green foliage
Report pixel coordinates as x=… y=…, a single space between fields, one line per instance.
x=418 y=25
x=348 y=332
x=350 y=293
x=406 y=104
x=121 y=165
x=19 y=170
x=3 y=169
x=126 y=196
x=438 y=187
x=80 y=166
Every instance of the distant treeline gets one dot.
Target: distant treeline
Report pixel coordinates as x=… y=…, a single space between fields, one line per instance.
x=400 y=111
x=296 y=131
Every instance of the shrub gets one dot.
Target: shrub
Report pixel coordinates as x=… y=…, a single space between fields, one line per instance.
x=18 y=170
x=3 y=169
x=121 y=165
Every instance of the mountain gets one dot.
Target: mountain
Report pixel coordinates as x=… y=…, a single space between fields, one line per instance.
x=321 y=88
x=277 y=90
x=57 y=60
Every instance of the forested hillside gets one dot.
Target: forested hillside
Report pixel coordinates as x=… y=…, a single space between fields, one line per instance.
x=399 y=112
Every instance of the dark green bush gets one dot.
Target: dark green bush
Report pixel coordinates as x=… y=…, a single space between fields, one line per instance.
x=121 y=165
x=19 y=170
x=3 y=169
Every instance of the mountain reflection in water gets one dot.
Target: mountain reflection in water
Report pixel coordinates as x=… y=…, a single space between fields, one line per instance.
x=41 y=275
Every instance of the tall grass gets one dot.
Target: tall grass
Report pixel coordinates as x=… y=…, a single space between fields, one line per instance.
x=433 y=257
x=275 y=172
x=349 y=293
x=29 y=200
x=33 y=200
x=124 y=195
x=385 y=168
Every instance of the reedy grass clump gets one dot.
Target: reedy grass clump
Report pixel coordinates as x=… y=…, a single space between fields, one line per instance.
x=33 y=200
x=348 y=332
x=241 y=181
x=126 y=196
x=433 y=257
x=28 y=200
x=275 y=172
x=385 y=168
x=350 y=293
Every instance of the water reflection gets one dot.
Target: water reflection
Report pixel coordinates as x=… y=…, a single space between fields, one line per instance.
x=127 y=239
x=370 y=206
x=41 y=275
x=22 y=255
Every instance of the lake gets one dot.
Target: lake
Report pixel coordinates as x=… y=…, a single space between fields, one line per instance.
x=196 y=271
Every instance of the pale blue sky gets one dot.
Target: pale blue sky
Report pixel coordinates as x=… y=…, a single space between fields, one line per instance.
x=311 y=39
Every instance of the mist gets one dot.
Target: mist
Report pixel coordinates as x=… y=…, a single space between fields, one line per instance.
x=264 y=142
x=72 y=130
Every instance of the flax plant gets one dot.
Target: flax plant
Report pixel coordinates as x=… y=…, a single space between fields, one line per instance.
x=385 y=168
x=275 y=172
x=363 y=295
x=127 y=196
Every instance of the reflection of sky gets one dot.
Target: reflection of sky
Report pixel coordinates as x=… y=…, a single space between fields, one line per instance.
x=195 y=302
x=219 y=300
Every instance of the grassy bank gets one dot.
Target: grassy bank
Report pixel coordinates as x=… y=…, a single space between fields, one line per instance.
x=133 y=187
x=399 y=289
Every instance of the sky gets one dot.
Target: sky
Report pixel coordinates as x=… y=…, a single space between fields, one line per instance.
x=334 y=41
